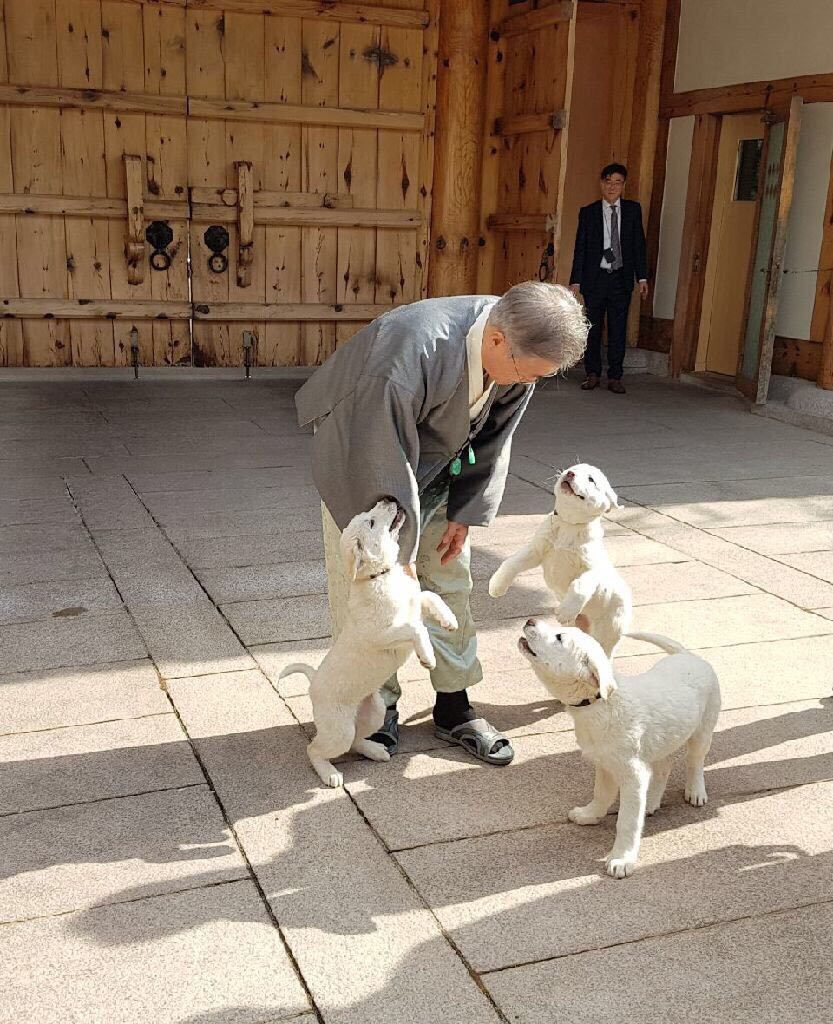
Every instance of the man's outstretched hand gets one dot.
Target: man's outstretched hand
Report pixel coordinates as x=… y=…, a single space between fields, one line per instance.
x=452 y=541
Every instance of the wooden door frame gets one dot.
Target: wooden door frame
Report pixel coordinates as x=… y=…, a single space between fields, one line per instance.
x=694 y=247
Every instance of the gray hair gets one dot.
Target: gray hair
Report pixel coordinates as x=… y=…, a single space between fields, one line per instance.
x=543 y=320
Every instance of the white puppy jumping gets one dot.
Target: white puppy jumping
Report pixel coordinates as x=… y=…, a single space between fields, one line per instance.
x=383 y=625
x=569 y=545
x=629 y=726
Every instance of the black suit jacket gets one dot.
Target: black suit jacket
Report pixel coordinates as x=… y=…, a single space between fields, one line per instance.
x=587 y=256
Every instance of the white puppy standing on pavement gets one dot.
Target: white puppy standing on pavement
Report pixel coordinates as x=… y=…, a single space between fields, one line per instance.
x=628 y=727
x=382 y=627
x=569 y=545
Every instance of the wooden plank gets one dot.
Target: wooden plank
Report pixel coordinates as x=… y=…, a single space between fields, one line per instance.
x=305 y=114
x=271 y=197
x=4 y=70
x=135 y=245
x=31 y=43
x=89 y=206
x=279 y=344
x=313 y=313
x=785 y=197
x=320 y=9
x=555 y=224
x=11 y=332
x=796 y=357
x=360 y=65
x=90 y=99
x=79 y=45
x=319 y=246
x=164 y=44
x=319 y=217
x=492 y=150
x=245 y=223
x=523 y=123
x=425 y=189
x=824 y=378
x=695 y=242
x=530 y=21
x=91 y=309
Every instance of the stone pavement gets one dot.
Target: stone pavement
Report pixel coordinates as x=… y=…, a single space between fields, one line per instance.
x=166 y=853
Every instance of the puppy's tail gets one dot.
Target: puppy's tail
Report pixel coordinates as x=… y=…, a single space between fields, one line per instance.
x=664 y=644
x=300 y=667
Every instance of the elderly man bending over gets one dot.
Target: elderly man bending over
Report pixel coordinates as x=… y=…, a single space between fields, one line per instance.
x=421 y=405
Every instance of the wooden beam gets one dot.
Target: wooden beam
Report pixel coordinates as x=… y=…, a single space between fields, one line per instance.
x=287 y=113
x=824 y=278
x=695 y=242
x=523 y=123
x=311 y=217
x=95 y=207
x=457 y=162
x=427 y=156
x=315 y=9
x=91 y=99
x=825 y=374
x=277 y=312
x=749 y=96
x=530 y=21
x=93 y=309
x=134 y=246
x=264 y=197
x=491 y=149
x=245 y=223
x=795 y=357
x=554 y=222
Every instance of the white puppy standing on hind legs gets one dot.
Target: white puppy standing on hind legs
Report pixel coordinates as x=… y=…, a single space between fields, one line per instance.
x=569 y=545
x=629 y=727
x=383 y=626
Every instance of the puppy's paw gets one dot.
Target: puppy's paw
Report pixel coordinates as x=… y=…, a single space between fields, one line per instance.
x=498 y=585
x=620 y=867
x=696 y=795
x=428 y=661
x=565 y=616
x=371 y=750
x=335 y=780
x=583 y=816
x=448 y=620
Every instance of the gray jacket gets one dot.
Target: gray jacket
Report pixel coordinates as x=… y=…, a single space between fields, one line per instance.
x=392 y=411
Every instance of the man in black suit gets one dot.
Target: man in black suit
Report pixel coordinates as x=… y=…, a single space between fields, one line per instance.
x=609 y=256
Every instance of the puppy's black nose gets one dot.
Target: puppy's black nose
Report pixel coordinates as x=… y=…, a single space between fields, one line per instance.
x=531 y=623
x=558 y=637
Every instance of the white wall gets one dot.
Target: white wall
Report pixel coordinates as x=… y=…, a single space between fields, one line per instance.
x=723 y=42
x=673 y=210
x=804 y=230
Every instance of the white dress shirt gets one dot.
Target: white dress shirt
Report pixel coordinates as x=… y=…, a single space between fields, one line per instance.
x=606 y=211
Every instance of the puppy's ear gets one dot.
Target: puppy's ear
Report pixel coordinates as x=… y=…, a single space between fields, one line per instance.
x=611 y=496
x=602 y=671
x=583 y=623
x=352 y=552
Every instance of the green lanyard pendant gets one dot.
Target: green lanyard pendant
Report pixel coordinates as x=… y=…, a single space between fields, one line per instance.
x=457 y=463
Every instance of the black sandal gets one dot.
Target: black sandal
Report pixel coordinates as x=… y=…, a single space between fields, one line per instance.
x=481 y=740
x=388 y=735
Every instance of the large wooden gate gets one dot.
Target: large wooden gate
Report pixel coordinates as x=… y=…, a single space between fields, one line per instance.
x=174 y=173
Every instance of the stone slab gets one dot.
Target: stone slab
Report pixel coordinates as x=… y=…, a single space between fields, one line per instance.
x=111 y=851
x=264 y=582
x=222 y=478
x=539 y=893
x=48 y=566
x=365 y=944
x=190 y=639
x=90 y=762
x=814 y=563
x=127 y=549
x=237 y=551
x=289 y=618
x=772 y=967
x=25 y=511
x=56 y=600
x=205 y=955
x=275 y=499
x=164 y=584
x=79 y=696
x=777 y=539
x=56 y=643
x=272 y=659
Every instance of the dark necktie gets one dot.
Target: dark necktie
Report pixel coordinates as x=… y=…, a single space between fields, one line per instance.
x=615 y=243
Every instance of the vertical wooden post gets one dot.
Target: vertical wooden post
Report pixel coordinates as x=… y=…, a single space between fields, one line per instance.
x=245 y=223
x=645 y=124
x=452 y=269
x=134 y=247
x=825 y=377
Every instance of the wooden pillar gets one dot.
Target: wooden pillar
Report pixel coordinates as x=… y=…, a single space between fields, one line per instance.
x=825 y=377
x=455 y=213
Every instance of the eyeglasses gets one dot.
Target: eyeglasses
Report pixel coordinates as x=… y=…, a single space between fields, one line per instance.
x=534 y=377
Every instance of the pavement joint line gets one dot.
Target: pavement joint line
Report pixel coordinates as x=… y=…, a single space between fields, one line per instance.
x=728 y=799
x=84 y=725
x=91 y=665
x=705 y=926
x=103 y=799
x=125 y=902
